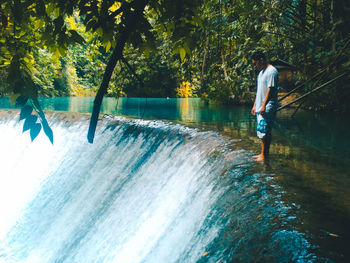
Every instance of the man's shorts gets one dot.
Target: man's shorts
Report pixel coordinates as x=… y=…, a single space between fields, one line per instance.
x=265 y=122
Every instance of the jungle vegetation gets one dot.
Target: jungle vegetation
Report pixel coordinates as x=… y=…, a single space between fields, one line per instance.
x=164 y=48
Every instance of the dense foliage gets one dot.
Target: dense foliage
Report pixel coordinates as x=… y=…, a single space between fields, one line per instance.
x=311 y=35
x=169 y=48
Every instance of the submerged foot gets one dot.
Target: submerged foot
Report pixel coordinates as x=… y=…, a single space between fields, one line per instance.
x=260 y=158
x=257 y=156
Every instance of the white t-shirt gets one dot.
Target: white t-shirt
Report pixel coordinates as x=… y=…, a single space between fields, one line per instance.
x=267 y=78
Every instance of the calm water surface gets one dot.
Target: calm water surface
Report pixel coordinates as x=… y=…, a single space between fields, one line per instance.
x=309 y=172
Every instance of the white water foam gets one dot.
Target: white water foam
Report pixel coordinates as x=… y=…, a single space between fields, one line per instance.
x=143 y=192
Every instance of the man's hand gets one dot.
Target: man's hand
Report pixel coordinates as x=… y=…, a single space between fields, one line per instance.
x=253 y=111
x=262 y=110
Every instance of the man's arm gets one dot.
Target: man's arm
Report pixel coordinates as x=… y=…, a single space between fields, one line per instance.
x=266 y=100
x=253 y=109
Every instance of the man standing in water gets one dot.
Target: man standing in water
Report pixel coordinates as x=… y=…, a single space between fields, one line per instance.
x=266 y=101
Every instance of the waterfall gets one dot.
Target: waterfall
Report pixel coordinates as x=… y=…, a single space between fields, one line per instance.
x=145 y=191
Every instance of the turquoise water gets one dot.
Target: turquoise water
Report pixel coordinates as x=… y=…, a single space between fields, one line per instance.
x=178 y=186
x=189 y=110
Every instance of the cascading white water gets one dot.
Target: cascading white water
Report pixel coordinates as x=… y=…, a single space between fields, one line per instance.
x=143 y=192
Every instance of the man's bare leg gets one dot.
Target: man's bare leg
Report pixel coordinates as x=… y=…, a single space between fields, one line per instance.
x=265 y=149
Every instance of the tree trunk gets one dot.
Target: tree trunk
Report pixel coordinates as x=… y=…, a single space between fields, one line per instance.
x=204 y=60
x=130 y=24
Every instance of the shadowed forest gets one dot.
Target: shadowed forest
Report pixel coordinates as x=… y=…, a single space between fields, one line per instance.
x=163 y=48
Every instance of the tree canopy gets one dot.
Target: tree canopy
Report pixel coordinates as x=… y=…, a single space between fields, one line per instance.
x=30 y=26
x=202 y=48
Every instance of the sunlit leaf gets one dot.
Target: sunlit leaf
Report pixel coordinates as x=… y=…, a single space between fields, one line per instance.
x=49 y=8
x=182 y=52
x=108 y=46
x=56 y=12
x=114 y=7
x=99 y=31
x=62 y=51
x=14 y=97
x=57 y=53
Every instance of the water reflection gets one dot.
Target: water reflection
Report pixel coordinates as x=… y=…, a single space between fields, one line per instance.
x=183 y=109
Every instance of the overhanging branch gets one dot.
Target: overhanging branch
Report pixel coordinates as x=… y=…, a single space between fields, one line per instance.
x=131 y=23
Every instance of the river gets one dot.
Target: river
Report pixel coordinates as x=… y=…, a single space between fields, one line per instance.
x=173 y=180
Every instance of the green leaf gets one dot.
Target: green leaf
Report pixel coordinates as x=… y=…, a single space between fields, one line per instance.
x=35 y=130
x=29 y=122
x=182 y=52
x=49 y=9
x=147 y=51
x=108 y=46
x=56 y=12
x=26 y=111
x=48 y=131
x=99 y=31
x=14 y=97
x=62 y=51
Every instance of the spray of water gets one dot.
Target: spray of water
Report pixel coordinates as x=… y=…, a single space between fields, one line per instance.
x=145 y=191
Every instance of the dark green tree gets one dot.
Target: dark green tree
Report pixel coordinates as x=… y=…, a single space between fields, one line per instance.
x=28 y=25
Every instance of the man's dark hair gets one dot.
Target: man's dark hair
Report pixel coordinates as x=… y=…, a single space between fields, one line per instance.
x=257 y=55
